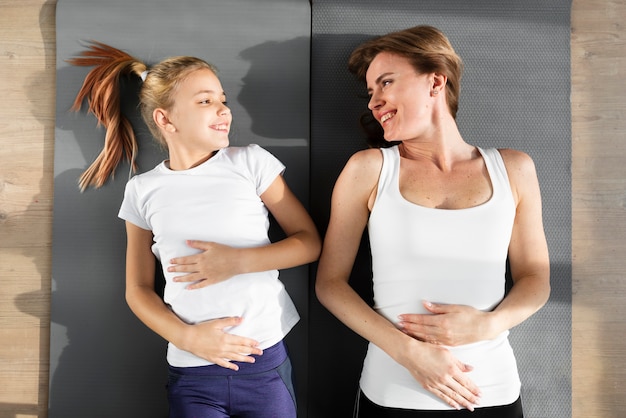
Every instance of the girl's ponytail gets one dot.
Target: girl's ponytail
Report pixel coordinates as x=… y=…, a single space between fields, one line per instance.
x=101 y=90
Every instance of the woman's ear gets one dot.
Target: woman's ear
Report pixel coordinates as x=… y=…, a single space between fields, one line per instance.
x=438 y=82
x=162 y=120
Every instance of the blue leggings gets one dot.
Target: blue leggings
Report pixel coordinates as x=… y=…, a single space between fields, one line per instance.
x=263 y=389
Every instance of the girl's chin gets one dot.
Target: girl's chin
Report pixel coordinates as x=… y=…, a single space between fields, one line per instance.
x=223 y=142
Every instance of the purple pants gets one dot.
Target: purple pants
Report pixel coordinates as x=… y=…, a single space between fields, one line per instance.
x=263 y=389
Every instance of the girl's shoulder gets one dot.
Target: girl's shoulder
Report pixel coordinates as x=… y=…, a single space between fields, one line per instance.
x=246 y=151
x=156 y=171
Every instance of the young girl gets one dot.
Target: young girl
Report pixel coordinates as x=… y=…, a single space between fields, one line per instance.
x=204 y=214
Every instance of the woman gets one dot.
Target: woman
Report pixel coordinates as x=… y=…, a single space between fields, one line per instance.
x=442 y=217
x=204 y=214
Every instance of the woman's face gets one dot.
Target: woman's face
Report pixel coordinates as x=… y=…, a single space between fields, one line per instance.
x=200 y=115
x=400 y=97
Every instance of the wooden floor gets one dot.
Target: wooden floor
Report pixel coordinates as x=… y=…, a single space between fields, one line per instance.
x=27 y=120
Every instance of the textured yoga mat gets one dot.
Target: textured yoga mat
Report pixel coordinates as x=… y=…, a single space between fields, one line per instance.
x=514 y=94
x=104 y=362
x=283 y=64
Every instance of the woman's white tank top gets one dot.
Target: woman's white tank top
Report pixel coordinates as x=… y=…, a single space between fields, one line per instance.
x=452 y=256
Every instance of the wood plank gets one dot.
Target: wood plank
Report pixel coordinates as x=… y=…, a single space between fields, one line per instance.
x=27 y=88
x=598 y=233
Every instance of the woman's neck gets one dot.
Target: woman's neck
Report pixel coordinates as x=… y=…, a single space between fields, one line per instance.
x=443 y=146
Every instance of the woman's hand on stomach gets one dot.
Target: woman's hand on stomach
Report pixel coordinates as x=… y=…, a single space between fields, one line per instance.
x=449 y=325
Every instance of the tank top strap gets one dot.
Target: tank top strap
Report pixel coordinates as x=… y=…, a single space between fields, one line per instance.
x=497 y=171
x=390 y=169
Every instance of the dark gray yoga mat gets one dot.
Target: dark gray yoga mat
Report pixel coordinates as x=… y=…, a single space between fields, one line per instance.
x=514 y=94
x=103 y=361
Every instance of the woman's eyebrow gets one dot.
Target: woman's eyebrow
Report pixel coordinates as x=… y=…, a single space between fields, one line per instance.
x=378 y=80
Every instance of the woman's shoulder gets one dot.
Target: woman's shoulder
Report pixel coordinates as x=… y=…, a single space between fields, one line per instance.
x=363 y=168
x=367 y=159
x=517 y=161
x=521 y=170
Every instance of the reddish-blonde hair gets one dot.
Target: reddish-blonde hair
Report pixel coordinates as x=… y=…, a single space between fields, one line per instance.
x=101 y=90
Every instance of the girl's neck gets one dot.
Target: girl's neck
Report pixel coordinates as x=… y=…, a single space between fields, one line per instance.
x=185 y=162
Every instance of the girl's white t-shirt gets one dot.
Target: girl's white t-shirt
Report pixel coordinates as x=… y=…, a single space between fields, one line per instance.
x=217 y=201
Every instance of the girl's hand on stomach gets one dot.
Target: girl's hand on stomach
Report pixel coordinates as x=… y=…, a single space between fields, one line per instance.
x=209 y=341
x=215 y=263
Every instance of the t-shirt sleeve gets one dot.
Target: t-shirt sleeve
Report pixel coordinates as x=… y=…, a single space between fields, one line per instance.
x=264 y=166
x=130 y=209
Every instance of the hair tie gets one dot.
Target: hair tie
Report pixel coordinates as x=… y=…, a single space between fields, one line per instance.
x=144 y=75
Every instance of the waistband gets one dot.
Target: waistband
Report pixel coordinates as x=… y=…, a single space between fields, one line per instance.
x=271 y=358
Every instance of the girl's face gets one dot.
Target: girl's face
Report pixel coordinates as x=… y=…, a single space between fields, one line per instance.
x=400 y=97
x=200 y=116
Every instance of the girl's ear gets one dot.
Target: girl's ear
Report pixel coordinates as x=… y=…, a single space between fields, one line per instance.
x=162 y=120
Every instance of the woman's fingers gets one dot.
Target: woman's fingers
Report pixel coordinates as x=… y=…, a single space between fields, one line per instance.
x=458 y=396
